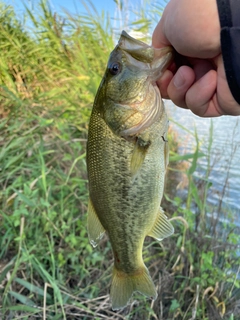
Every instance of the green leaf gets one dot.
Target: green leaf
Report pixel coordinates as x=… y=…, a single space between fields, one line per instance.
x=24 y=308
x=5 y=271
x=25 y=199
x=174 y=305
x=178 y=157
x=31 y=287
x=23 y=299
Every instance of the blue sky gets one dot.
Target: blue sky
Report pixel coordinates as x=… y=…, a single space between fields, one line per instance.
x=76 y=6
x=129 y=14
x=73 y=6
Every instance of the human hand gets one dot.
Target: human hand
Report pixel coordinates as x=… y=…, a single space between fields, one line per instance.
x=198 y=82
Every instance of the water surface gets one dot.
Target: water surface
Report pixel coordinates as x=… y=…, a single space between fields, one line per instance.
x=225 y=154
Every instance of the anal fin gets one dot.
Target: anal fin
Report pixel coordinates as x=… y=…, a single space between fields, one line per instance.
x=95 y=228
x=162 y=228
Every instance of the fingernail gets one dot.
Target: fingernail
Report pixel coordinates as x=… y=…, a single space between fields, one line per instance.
x=178 y=80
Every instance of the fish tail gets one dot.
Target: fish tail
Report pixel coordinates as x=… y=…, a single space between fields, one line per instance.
x=123 y=285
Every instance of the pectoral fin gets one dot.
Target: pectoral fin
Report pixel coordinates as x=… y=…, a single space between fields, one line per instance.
x=166 y=154
x=166 y=151
x=162 y=228
x=95 y=228
x=139 y=154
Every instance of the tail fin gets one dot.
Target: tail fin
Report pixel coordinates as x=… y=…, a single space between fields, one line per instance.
x=123 y=286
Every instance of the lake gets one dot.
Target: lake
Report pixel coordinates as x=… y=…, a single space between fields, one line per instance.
x=225 y=153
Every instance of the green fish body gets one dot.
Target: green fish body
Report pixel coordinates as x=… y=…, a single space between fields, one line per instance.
x=127 y=155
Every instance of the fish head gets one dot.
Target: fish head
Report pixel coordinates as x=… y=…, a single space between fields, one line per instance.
x=128 y=96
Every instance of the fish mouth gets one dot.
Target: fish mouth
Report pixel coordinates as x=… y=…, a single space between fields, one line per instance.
x=152 y=61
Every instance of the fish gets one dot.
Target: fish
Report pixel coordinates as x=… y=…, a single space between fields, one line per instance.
x=127 y=156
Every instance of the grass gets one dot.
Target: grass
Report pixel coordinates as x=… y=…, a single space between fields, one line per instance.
x=48 y=269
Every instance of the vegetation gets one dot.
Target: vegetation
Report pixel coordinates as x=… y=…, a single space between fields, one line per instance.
x=48 y=269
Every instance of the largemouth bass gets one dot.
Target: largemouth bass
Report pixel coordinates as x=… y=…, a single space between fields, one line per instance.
x=127 y=155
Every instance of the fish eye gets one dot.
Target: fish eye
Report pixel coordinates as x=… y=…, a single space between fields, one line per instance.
x=115 y=68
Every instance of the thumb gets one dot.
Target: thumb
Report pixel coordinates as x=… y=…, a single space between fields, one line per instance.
x=159 y=39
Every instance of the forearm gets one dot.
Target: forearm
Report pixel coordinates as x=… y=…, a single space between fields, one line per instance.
x=229 y=14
